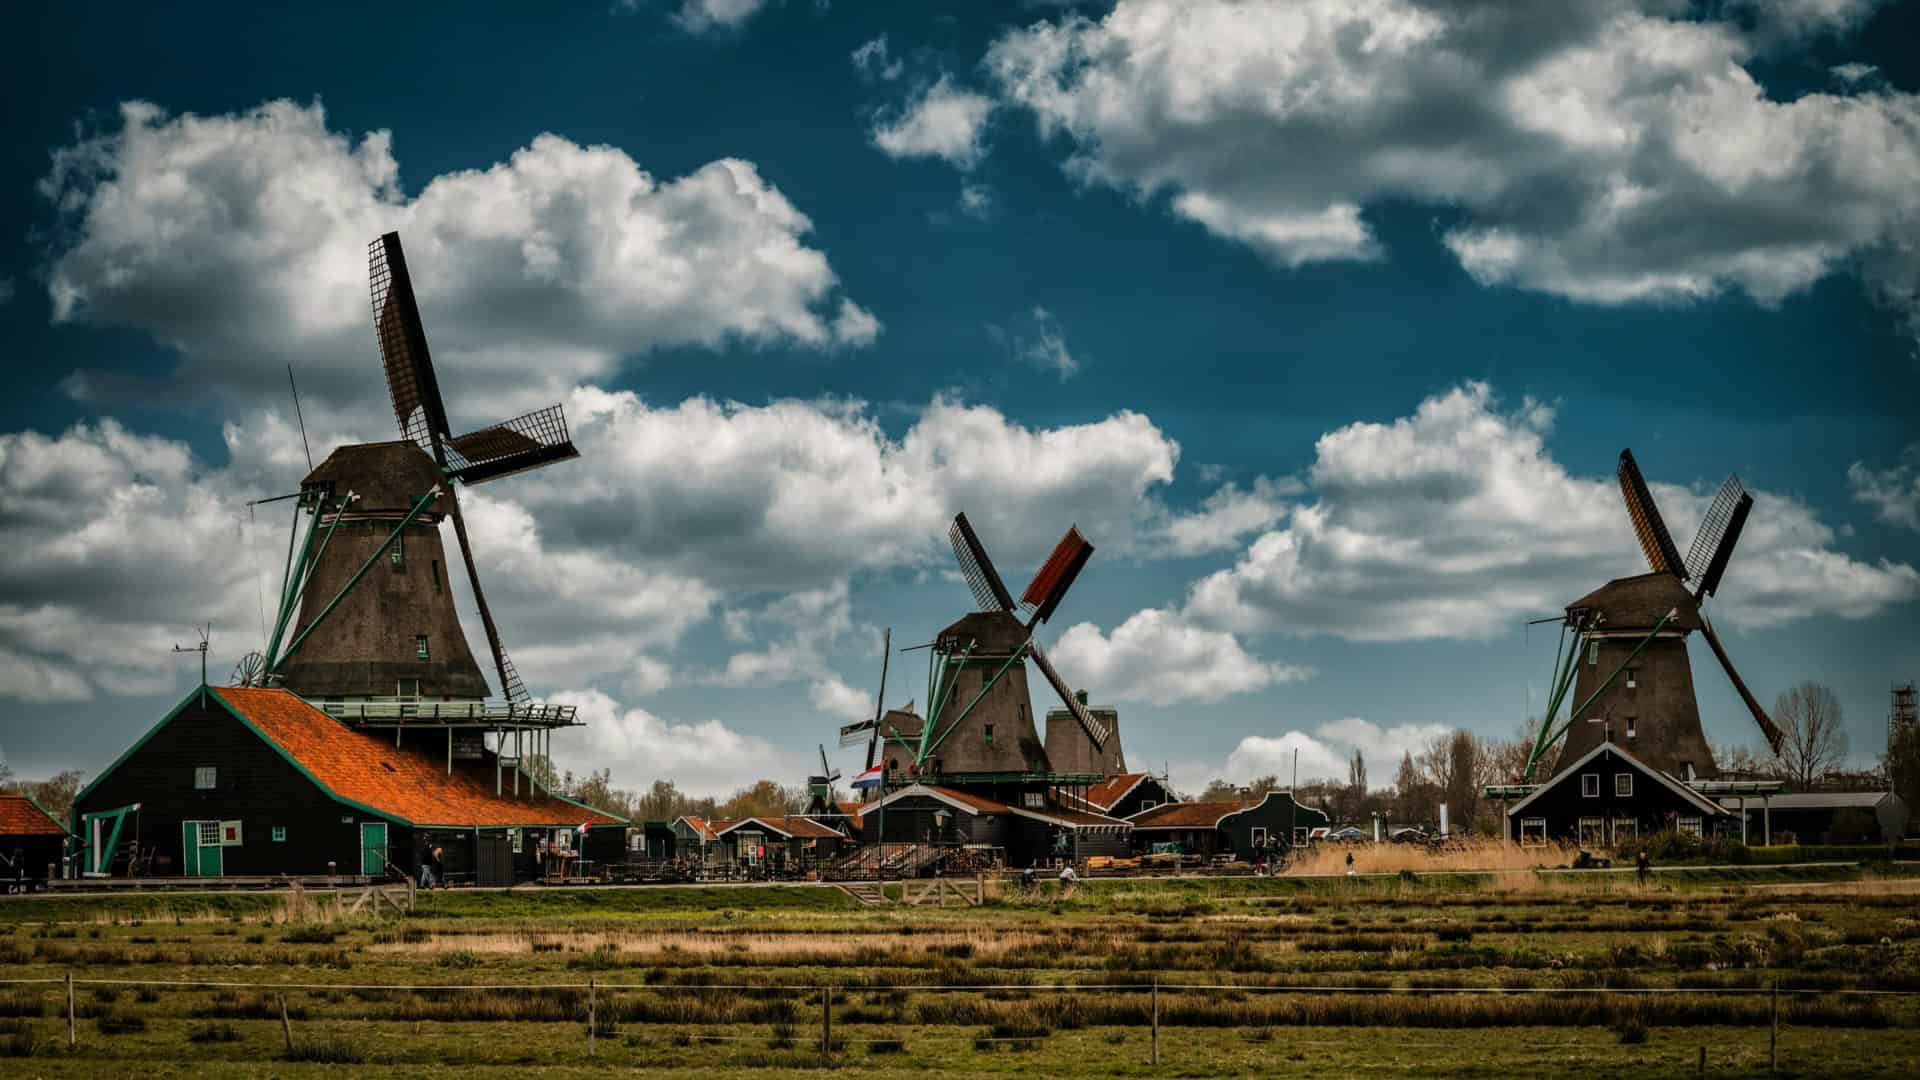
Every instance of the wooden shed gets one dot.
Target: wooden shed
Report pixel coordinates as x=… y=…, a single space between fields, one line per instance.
x=32 y=844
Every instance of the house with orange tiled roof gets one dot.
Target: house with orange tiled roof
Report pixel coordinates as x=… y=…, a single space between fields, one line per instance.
x=1120 y=796
x=32 y=844
x=786 y=842
x=260 y=782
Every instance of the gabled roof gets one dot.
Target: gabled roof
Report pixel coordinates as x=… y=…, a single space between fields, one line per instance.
x=21 y=816
x=959 y=800
x=1186 y=815
x=1287 y=795
x=366 y=770
x=700 y=827
x=1107 y=793
x=1705 y=804
x=851 y=809
x=1072 y=818
x=804 y=828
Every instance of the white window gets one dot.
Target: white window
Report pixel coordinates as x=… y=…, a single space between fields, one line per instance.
x=1148 y=804
x=1259 y=837
x=1623 y=784
x=513 y=835
x=1033 y=800
x=229 y=834
x=1593 y=831
x=1590 y=785
x=1533 y=830
x=1624 y=830
x=1633 y=677
x=208 y=833
x=1631 y=723
x=1688 y=826
x=1593 y=653
x=203 y=778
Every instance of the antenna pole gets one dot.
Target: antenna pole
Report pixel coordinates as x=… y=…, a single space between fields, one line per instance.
x=300 y=417
x=880 y=701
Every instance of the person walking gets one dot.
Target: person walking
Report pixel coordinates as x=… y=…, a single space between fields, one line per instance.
x=1643 y=865
x=439 y=866
x=426 y=867
x=1349 y=864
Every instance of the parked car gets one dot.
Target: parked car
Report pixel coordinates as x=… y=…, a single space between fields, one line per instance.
x=1351 y=834
x=1408 y=834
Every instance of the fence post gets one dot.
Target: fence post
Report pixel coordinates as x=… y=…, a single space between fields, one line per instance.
x=1156 y=1021
x=286 y=1026
x=826 y=1020
x=590 y=1015
x=1773 y=1039
x=73 y=1037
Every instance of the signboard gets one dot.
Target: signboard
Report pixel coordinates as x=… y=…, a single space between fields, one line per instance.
x=469 y=747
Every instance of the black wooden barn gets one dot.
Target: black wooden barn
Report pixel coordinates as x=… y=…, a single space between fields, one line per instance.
x=1042 y=833
x=1607 y=798
x=1121 y=796
x=245 y=782
x=32 y=844
x=1243 y=829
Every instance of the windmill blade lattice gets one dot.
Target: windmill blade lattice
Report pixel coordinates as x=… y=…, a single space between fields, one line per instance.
x=1728 y=534
x=403 y=344
x=988 y=590
x=1662 y=556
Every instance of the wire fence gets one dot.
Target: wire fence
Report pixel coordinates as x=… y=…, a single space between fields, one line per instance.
x=594 y=1002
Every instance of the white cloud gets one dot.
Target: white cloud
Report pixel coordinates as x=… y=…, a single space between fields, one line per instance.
x=872 y=60
x=700 y=16
x=1456 y=522
x=976 y=200
x=834 y=697
x=1229 y=514
x=1893 y=492
x=240 y=240
x=941 y=121
x=1853 y=73
x=1038 y=341
x=702 y=758
x=1783 y=21
x=1158 y=657
x=1323 y=754
x=1590 y=149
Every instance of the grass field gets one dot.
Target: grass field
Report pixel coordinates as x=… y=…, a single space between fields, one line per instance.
x=1274 y=976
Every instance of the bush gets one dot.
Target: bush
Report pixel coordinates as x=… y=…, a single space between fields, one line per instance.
x=17 y=1039
x=887 y=1046
x=309 y=935
x=112 y=1023
x=213 y=1033
x=1851 y=826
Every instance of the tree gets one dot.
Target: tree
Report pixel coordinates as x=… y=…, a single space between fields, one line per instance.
x=1220 y=791
x=763 y=798
x=1815 y=737
x=55 y=796
x=1357 y=773
x=597 y=791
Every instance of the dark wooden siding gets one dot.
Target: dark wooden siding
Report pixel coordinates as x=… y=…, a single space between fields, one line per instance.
x=1652 y=806
x=253 y=784
x=1277 y=814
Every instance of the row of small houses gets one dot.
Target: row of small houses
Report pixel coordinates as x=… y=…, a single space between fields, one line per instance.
x=258 y=782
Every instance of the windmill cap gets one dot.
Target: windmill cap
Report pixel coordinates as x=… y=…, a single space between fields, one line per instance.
x=1640 y=602
x=387 y=476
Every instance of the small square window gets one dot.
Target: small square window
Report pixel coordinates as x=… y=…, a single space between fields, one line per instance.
x=1623 y=784
x=1633 y=677
x=1033 y=800
x=1533 y=830
x=1687 y=826
x=1148 y=804
x=204 y=778
x=279 y=834
x=420 y=646
x=1590 y=785
x=208 y=833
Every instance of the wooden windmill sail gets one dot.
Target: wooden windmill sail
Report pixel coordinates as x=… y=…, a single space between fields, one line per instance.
x=980 y=719
x=366 y=611
x=1624 y=662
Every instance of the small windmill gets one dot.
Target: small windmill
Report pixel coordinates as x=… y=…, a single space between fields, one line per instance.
x=979 y=715
x=1627 y=666
x=395 y=632
x=820 y=786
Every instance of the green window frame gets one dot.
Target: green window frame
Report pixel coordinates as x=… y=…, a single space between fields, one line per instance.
x=1593 y=653
x=420 y=647
x=279 y=834
x=398 y=552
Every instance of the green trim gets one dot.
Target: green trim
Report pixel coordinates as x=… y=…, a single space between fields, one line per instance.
x=300 y=639
x=295 y=762
x=112 y=842
x=129 y=752
x=1018 y=655
x=595 y=809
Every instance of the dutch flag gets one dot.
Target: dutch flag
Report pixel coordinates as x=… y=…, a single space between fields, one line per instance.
x=869 y=778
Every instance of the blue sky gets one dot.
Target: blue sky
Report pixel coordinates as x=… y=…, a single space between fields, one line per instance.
x=1325 y=322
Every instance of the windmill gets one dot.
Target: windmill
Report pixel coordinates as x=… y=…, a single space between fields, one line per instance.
x=980 y=717
x=367 y=630
x=1623 y=652
x=820 y=786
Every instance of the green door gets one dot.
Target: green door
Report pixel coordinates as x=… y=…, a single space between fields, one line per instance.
x=200 y=854
x=373 y=848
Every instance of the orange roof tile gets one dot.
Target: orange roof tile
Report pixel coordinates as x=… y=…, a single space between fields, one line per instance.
x=1067 y=815
x=978 y=802
x=805 y=828
x=362 y=768
x=851 y=809
x=21 y=816
x=1114 y=788
x=1184 y=815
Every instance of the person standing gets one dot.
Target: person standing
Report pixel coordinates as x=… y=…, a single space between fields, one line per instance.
x=1349 y=864
x=1643 y=865
x=426 y=867
x=439 y=866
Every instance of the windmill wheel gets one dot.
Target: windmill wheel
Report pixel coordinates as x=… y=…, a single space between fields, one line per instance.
x=248 y=671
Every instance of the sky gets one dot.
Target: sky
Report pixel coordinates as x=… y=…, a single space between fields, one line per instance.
x=1324 y=321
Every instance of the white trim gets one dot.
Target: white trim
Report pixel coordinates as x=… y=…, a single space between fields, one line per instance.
x=1138 y=779
x=1671 y=784
x=1586 y=776
x=1617 y=793
x=933 y=793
